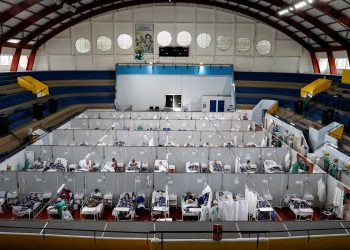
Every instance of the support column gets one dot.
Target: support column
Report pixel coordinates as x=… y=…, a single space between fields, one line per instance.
x=31 y=59
x=331 y=62
x=348 y=51
x=315 y=64
x=15 y=60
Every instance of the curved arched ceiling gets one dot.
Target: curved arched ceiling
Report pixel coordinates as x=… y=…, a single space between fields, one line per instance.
x=321 y=26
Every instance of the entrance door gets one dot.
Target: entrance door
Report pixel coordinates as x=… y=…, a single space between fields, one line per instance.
x=221 y=106
x=212 y=105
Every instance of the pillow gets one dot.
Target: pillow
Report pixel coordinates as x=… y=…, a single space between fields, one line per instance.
x=140 y=199
x=201 y=200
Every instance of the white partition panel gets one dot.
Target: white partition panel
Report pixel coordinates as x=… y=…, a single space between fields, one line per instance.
x=64 y=152
x=96 y=180
x=96 y=136
x=96 y=154
x=137 y=138
x=95 y=123
x=242 y=125
x=149 y=115
x=110 y=114
x=179 y=137
x=268 y=154
x=266 y=184
x=225 y=155
x=50 y=181
x=198 y=115
x=179 y=115
x=253 y=137
x=83 y=136
x=217 y=138
x=75 y=182
x=235 y=183
x=145 y=154
x=44 y=152
x=30 y=182
x=119 y=153
x=215 y=181
x=281 y=154
x=141 y=124
x=8 y=181
x=78 y=123
x=213 y=116
x=234 y=136
x=159 y=181
x=63 y=137
x=251 y=154
x=213 y=125
x=178 y=124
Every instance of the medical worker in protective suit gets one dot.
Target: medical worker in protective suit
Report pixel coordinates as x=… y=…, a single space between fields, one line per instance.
x=60 y=204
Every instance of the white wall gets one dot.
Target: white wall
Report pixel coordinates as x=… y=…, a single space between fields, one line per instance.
x=131 y=89
x=286 y=55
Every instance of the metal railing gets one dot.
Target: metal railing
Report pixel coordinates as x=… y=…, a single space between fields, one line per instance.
x=252 y=234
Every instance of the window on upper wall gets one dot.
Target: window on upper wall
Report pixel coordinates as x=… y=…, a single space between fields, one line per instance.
x=5 y=60
x=184 y=38
x=124 y=41
x=323 y=64
x=223 y=42
x=104 y=43
x=83 y=45
x=342 y=63
x=164 y=38
x=243 y=44
x=204 y=40
x=263 y=47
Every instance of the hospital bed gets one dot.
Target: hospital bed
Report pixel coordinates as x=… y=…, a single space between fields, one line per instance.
x=192 y=167
x=159 y=168
x=219 y=167
x=109 y=168
x=127 y=206
x=160 y=204
x=93 y=205
x=2 y=201
x=69 y=199
x=208 y=144
x=252 y=145
x=60 y=164
x=29 y=206
x=243 y=168
x=264 y=210
x=38 y=166
x=131 y=169
x=271 y=167
x=190 y=207
x=83 y=167
x=229 y=144
x=299 y=206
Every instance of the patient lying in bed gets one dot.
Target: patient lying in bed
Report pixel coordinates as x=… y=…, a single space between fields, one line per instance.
x=95 y=199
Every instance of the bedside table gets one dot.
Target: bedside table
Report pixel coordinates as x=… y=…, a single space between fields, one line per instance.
x=173 y=200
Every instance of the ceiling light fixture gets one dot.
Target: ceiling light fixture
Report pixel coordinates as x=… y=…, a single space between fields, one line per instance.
x=65 y=6
x=295 y=5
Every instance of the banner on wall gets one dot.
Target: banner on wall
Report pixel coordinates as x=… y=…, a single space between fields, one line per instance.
x=143 y=40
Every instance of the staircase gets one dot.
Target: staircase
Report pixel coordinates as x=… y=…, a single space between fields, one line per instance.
x=36 y=87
